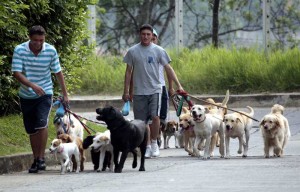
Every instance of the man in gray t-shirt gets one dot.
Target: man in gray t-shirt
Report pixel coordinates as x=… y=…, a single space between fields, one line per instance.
x=146 y=58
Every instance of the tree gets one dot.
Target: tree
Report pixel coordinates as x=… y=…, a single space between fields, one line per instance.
x=65 y=23
x=220 y=22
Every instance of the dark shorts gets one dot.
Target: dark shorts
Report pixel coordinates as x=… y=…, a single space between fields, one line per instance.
x=164 y=104
x=36 y=113
x=145 y=107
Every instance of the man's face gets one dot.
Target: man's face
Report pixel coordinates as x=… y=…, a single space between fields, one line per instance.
x=154 y=39
x=36 y=42
x=146 y=37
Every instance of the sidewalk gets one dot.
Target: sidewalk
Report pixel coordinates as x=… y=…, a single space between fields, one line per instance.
x=20 y=162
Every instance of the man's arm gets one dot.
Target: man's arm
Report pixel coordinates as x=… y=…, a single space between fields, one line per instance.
x=171 y=75
x=23 y=80
x=61 y=81
x=127 y=82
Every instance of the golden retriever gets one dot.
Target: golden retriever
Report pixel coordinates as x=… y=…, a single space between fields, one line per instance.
x=188 y=132
x=275 y=131
x=238 y=126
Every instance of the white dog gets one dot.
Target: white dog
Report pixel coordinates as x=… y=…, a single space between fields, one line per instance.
x=70 y=125
x=65 y=151
x=275 y=131
x=101 y=142
x=238 y=126
x=205 y=126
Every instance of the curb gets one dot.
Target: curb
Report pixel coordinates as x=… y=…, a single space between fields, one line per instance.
x=21 y=162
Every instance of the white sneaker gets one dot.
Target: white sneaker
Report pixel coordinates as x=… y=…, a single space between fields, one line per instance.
x=155 y=149
x=148 y=152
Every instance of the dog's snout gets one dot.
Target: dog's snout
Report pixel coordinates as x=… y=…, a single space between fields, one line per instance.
x=194 y=112
x=228 y=127
x=99 y=110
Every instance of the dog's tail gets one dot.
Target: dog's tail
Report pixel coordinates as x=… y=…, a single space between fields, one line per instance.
x=251 y=111
x=277 y=109
x=226 y=99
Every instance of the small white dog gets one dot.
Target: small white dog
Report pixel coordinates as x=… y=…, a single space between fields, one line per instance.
x=275 y=131
x=101 y=142
x=70 y=125
x=205 y=126
x=238 y=126
x=64 y=152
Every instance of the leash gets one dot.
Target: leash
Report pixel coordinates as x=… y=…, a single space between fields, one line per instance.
x=185 y=96
x=78 y=117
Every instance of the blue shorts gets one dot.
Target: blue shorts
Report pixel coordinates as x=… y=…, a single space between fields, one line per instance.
x=36 y=113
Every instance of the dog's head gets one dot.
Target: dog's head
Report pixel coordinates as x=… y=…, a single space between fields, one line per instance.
x=88 y=141
x=231 y=121
x=65 y=138
x=99 y=141
x=62 y=124
x=185 y=120
x=110 y=115
x=54 y=145
x=198 y=112
x=172 y=126
x=269 y=122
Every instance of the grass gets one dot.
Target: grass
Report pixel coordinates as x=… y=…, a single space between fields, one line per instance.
x=14 y=139
x=208 y=71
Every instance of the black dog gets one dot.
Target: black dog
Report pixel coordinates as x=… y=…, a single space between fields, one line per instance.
x=125 y=136
x=96 y=155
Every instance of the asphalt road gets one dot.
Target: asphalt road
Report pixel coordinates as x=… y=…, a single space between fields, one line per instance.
x=175 y=171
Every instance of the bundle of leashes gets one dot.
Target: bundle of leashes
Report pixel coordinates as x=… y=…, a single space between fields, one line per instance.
x=180 y=97
x=64 y=108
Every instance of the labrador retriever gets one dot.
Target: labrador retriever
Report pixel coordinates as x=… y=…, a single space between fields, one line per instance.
x=126 y=136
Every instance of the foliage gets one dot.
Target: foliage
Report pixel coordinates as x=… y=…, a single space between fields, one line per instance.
x=240 y=23
x=209 y=71
x=65 y=23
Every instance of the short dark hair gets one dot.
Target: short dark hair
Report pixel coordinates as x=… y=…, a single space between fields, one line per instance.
x=146 y=26
x=37 y=30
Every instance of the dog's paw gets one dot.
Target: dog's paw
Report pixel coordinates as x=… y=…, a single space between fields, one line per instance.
x=117 y=170
x=227 y=157
x=244 y=156
x=142 y=169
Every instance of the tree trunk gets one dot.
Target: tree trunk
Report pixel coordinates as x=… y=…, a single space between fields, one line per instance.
x=215 y=23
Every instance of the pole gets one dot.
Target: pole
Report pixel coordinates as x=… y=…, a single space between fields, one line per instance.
x=92 y=24
x=178 y=24
x=266 y=26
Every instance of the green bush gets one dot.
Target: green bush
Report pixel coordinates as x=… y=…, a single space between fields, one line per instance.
x=207 y=71
x=65 y=23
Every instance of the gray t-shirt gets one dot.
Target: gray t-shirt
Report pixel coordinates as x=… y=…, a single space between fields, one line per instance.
x=146 y=61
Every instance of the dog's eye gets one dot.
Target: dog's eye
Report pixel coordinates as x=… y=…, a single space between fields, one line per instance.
x=232 y=121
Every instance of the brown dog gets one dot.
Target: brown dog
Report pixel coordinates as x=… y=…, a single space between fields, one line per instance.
x=168 y=132
x=69 y=139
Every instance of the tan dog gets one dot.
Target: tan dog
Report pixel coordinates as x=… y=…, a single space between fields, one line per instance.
x=187 y=129
x=238 y=126
x=169 y=131
x=69 y=139
x=275 y=131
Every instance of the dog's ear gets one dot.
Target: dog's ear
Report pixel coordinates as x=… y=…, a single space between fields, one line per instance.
x=206 y=110
x=70 y=139
x=238 y=120
x=262 y=122
x=176 y=126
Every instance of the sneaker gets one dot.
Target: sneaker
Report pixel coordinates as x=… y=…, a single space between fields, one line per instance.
x=155 y=149
x=41 y=164
x=34 y=167
x=148 y=152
